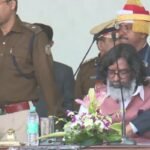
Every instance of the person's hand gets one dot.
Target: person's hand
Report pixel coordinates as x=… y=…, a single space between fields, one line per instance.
x=129 y=131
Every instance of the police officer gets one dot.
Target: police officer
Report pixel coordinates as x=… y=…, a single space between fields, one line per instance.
x=88 y=73
x=24 y=65
x=64 y=81
x=134 y=29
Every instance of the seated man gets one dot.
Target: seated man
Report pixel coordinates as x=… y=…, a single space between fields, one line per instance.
x=124 y=74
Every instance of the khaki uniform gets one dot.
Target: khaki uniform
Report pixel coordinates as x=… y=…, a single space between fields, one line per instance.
x=86 y=77
x=25 y=64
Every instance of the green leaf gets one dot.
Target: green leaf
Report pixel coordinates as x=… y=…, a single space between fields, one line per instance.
x=51 y=135
x=113 y=137
x=90 y=142
x=93 y=101
x=116 y=127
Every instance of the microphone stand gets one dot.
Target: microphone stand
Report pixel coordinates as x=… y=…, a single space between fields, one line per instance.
x=84 y=56
x=124 y=139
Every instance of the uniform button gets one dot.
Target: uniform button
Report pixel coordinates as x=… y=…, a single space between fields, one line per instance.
x=1 y=54
x=4 y=43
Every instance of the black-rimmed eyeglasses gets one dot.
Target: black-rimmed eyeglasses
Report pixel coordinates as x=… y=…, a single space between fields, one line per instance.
x=122 y=73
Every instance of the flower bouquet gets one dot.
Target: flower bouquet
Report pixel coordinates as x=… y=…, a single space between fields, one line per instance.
x=89 y=127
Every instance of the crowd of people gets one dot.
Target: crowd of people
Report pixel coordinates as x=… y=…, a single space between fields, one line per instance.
x=30 y=74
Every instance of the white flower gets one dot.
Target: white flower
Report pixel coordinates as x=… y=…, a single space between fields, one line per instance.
x=88 y=122
x=98 y=122
x=102 y=126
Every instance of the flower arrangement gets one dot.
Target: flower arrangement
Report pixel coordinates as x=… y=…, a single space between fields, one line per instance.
x=90 y=127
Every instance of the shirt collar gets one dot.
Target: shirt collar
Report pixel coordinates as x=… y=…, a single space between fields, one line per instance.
x=18 y=26
x=140 y=91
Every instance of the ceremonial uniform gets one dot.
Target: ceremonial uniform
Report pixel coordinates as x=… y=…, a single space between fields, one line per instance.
x=25 y=64
x=138 y=26
x=86 y=77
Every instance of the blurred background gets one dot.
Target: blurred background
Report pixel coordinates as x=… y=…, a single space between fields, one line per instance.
x=71 y=21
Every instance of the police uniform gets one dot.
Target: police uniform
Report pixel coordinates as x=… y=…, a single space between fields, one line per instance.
x=25 y=64
x=86 y=77
x=88 y=74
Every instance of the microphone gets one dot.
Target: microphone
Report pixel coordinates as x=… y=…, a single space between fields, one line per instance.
x=94 y=38
x=124 y=139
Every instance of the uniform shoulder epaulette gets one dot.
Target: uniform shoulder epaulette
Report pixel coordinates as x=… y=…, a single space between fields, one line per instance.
x=90 y=61
x=34 y=28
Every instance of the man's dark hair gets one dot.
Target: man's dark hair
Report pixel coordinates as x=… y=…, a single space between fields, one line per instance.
x=128 y=52
x=47 y=29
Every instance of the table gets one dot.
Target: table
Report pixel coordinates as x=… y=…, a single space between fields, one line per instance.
x=119 y=147
x=76 y=147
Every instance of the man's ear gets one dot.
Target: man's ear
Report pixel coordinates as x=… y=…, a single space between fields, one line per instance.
x=13 y=4
x=51 y=43
x=100 y=44
x=144 y=36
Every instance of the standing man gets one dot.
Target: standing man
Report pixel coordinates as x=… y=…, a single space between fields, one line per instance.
x=88 y=73
x=64 y=80
x=134 y=27
x=24 y=65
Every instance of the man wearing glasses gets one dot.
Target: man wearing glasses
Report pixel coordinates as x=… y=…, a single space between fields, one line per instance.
x=124 y=74
x=134 y=28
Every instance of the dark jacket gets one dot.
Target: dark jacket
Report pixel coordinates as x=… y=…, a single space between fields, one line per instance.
x=144 y=54
x=142 y=122
x=65 y=83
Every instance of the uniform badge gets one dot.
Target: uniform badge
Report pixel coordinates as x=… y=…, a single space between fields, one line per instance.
x=48 y=49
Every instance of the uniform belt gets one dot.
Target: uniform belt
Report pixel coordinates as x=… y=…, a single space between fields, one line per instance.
x=15 y=107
